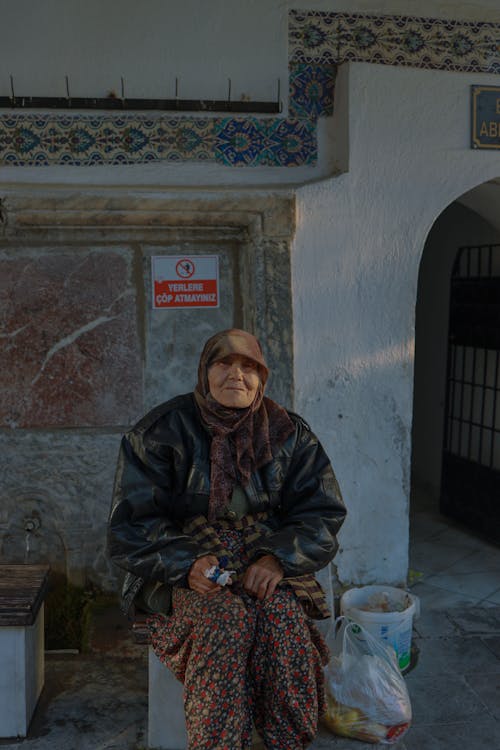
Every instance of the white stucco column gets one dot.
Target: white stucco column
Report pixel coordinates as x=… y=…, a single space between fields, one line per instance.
x=354 y=269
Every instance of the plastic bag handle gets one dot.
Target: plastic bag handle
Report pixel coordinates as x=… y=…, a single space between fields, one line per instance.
x=334 y=629
x=374 y=645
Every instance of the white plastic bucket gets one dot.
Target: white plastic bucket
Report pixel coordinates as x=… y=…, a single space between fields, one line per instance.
x=393 y=627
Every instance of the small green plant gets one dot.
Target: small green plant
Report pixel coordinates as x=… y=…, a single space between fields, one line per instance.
x=67 y=616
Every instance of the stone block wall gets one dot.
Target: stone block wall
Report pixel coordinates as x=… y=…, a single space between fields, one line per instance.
x=84 y=355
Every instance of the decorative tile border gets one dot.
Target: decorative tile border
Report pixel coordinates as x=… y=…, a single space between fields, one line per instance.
x=85 y=140
x=311 y=90
x=34 y=140
x=313 y=36
x=318 y=41
x=321 y=37
x=275 y=143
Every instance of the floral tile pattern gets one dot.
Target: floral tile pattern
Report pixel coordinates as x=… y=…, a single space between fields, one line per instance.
x=188 y=138
x=291 y=143
x=82 y=140
x=422 y=43
x=313 y=36
x=275 y=142
x=239 y=142
x=311 y=90
x=321 y=37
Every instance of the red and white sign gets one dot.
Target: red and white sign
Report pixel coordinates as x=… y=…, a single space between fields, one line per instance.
x=185 y=281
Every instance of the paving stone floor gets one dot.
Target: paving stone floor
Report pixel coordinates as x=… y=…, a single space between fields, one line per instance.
x=98 y=701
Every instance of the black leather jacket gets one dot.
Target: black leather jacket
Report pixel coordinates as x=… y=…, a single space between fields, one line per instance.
x=163 y=477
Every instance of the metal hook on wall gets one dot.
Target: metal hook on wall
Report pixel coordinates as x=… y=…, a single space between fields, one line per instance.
x=245 y=105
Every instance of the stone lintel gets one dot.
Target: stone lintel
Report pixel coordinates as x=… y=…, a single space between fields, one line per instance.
x=259 y=213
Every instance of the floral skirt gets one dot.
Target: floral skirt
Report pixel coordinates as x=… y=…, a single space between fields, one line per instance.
x=244 y=662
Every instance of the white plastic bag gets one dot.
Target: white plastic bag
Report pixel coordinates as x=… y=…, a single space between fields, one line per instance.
x=367 y=698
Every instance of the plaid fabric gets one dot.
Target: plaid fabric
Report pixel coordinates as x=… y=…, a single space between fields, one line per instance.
x=306 y=587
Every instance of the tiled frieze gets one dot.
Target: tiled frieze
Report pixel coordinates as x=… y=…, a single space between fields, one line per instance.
x=317 y=37
x=318 y=42
x=84 y=140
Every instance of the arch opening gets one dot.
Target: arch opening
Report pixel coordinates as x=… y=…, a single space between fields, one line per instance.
x=456 y=412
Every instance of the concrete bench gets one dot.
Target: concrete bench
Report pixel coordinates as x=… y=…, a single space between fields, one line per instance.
x=22 y=665
x=166 y=723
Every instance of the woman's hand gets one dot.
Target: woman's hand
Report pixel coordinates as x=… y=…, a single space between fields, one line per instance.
x=197 y=580
x=262 y=577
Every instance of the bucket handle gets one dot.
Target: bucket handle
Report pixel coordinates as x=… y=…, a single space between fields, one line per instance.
x=416 y=601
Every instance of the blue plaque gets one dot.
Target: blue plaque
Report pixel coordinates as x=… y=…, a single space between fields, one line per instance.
x=485 y=117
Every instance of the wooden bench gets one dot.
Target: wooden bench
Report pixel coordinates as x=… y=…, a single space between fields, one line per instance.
x=166 y=723
x=22 y=671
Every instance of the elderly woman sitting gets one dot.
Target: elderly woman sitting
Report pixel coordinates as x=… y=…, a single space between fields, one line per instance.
x=224 y=480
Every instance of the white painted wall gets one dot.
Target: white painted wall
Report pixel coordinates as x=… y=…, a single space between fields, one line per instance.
x=148 y=43
x=355 y=268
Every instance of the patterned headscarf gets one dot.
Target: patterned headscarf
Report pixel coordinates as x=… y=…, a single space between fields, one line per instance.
x=242 y=439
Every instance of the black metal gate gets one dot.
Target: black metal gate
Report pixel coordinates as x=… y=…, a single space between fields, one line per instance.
x=470 y=482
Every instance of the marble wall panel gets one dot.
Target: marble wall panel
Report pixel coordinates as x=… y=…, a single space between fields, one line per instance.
x=69 y=341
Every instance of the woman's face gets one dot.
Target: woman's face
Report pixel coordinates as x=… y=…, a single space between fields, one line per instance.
x=233 y=381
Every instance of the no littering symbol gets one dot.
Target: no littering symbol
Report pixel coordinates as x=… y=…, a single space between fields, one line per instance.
x=184 y=268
